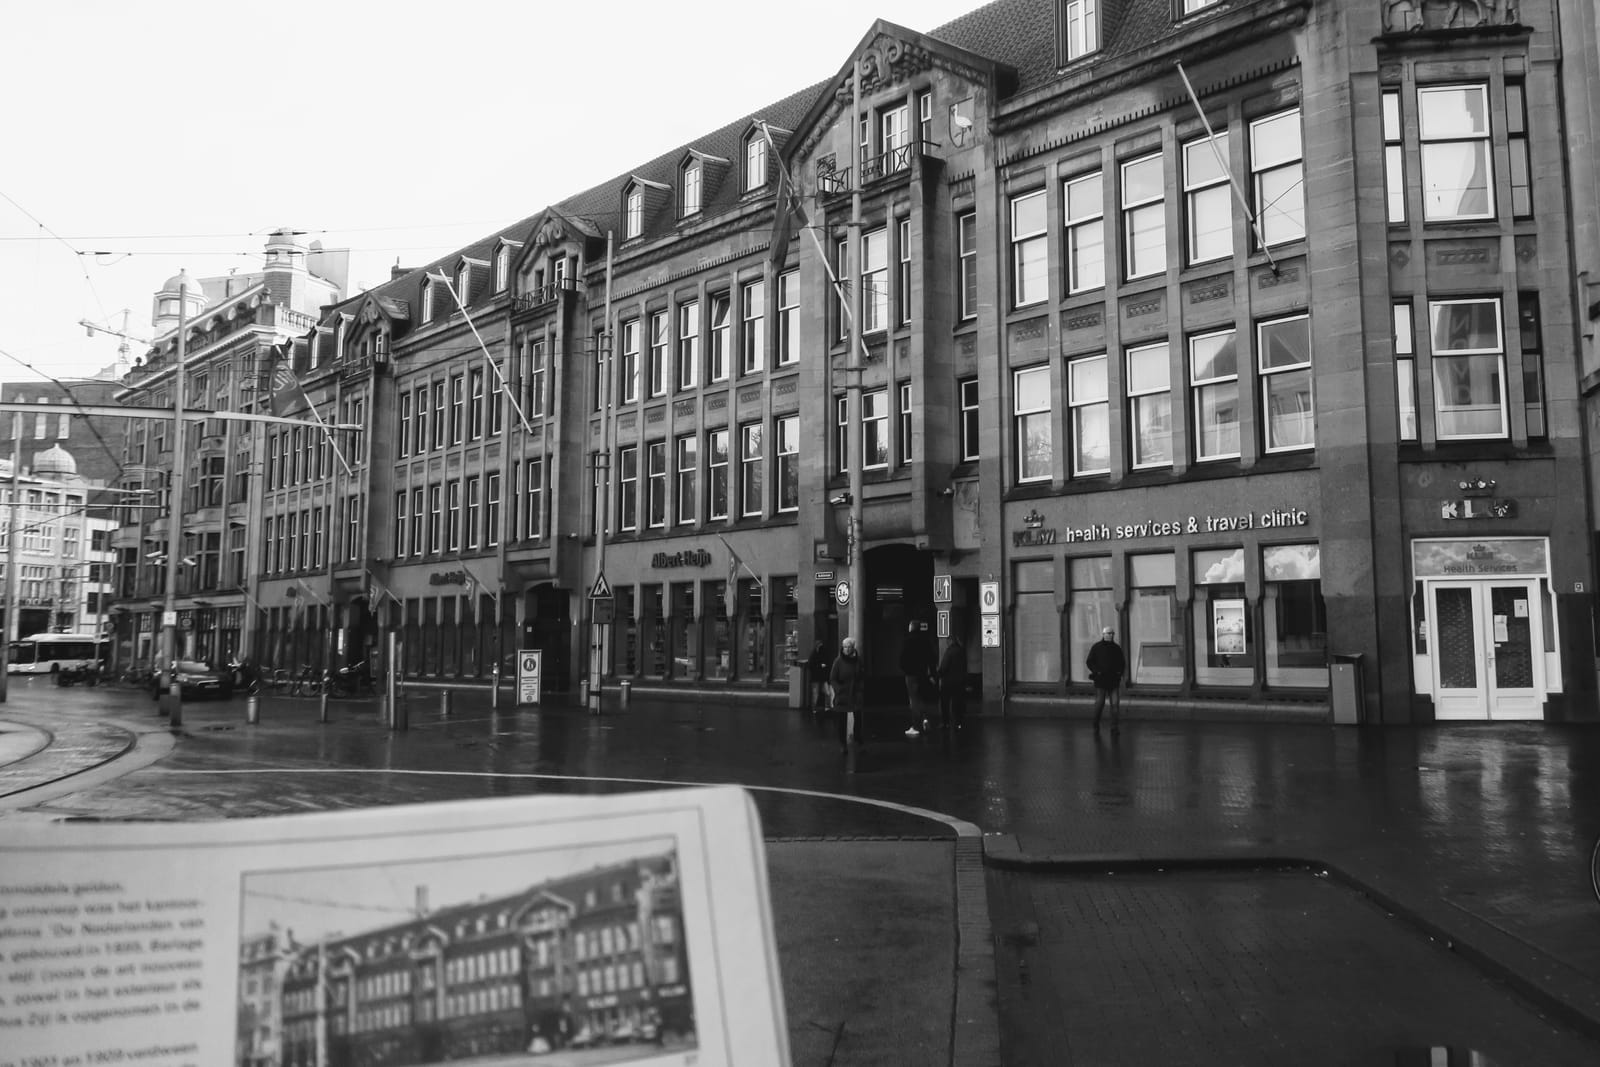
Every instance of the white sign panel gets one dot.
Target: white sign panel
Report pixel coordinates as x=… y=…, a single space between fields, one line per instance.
x=991 y=631
x=989 y=598
x=841 y=593
x=530 y=676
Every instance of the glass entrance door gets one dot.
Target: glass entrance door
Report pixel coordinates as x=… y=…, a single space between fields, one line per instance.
x=1487 y=658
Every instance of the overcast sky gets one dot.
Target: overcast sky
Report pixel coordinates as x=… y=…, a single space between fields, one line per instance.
x=176 y=135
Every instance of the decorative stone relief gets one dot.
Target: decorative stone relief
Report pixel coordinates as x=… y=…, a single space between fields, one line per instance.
x=1409 y=16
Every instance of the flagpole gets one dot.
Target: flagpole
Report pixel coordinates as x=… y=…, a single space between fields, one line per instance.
x=173 y=704
x=858 y=570
x=608 y=371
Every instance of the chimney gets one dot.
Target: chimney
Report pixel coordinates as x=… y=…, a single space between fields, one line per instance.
x=397 y=270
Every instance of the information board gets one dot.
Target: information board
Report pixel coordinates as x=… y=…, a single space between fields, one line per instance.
x=530 y=676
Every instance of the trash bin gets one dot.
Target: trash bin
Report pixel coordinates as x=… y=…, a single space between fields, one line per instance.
x=1346 y=690
x=624 y=692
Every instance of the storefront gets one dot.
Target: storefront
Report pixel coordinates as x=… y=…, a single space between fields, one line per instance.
x=1486 y=644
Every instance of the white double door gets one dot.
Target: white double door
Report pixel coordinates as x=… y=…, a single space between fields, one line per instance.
x=1488 y=649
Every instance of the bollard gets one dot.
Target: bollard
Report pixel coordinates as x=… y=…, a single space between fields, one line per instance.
x=322 y=708
x=624 y=693
x=177 y=704
x=494 y=687
x=446 y=698
x=252 y=709
x=583 y=692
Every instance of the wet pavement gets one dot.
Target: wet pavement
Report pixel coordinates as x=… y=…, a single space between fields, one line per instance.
x=1475 y=836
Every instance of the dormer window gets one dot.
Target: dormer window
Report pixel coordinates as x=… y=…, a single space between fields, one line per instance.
x=1080 y=27
x=463 y=279
x=755 y=161
x=502 y=268
x=427 y=302
x=635 y=212
x=1189 y=7
x=691 y=187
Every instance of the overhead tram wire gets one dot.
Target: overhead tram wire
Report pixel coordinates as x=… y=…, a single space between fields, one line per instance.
x=70 y=247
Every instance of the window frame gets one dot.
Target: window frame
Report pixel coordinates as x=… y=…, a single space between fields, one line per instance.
x=786 y=439
x=875 y=428
x=788 y=318
x=1024 y=418
x=660 y=339
x=752 y=327
x=1199 y=196
x=1484 y=142
x=691 y=188
x=1030 y=252
x=875 y=280
x=627 y=516
x=655 y=474
x=903 y=451
x=967 y=268
x=1080 y=30
x=1136 y=406
x=1136 y=210
x=1265 y=167
x=633 y=212
x=686 y=476
x=628 y=362
x=1394 y=157
x=1265 y=382
x=1078 y=227
x=756 y=165
x=967 y=402
x=1200 y=388
x=720 y=353
x=718 y=470
x=1079 y=404
x=751 y=483
x=688 y=345
x=1438 y=357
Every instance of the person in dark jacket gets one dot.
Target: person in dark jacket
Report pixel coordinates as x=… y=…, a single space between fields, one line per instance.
x=845 y=677
x=817 y=671
x=1107 y=665
x=953 y=684
x=916 y=663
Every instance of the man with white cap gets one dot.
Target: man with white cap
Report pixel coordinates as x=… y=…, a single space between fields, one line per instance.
x=1107 y=665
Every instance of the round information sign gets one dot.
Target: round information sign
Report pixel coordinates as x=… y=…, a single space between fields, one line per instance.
x=841 y=593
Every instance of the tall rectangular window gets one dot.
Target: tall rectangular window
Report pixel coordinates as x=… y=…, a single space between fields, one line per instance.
x=925 y=118
x=717 y=474
x=491 y=509
x=788 y=458
x=536 y=377
x=1149 y=386
x=659 y=340
x=1468 y=368
x=1155 y=641
x=1030 y=265
x=688 y=344
x=1394 y=157
x=1532 y=363
x=533 y=491
x=419 y=516
x=967 y=252
x=750 y=469
x=895 y=124
x=717 y=371
x=656 y=484
x=435 y=518
x=597 y=368
x=452 y=520
x=902 y=284
x=1206 y=198
x=403 y=446
x=1517 y=151
x=875 y=429
x=875 y=281
x=1214 y=385
x=1089 y=404
x=1278 y=170
x=904 y=454
x=472 y=517
x=688 y=449
x=475 y=405
x=439 y=414
x=634 y=213
x=752 y=328
x=458 y=403
x=788 y=318
x=1080 y=27
x=1144 y=217
x=1405 y=371
x=840 y=306
x=628 y=488
x=400 y=524
x=967 y=396
x=1092 y=607
x=1036 y=622
x=755 y=162
x=1086 y=233
x=628 y=363
x=1284 y=347
x=841 y=433
x=691 y=188
x=1457 y=176
x=1031 y=415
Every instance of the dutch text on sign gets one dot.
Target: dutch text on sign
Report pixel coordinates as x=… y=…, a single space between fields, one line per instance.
x=530 y=676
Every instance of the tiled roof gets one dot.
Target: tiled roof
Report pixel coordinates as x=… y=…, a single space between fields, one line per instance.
x=1018 y=33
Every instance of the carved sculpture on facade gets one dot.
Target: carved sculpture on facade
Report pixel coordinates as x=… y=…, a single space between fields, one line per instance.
x=1409 y=16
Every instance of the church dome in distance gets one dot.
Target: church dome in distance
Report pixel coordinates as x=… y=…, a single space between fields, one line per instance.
x=54 y=460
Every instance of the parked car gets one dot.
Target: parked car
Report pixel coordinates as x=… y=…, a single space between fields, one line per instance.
x=196 y=679
x=586 y=1038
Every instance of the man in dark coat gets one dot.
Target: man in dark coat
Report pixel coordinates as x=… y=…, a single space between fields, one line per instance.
x=953 y=684
x=1107 y=665
x=845 y=677
x=916 y=663
x=817 y=672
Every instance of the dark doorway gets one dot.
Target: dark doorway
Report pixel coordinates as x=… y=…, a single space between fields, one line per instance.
x=899 y=590
x=548 y=627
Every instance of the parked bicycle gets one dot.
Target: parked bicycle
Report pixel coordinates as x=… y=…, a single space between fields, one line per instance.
x=352 y=681
x=308 y=683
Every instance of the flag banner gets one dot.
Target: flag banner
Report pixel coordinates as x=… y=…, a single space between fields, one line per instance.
x=284 y=386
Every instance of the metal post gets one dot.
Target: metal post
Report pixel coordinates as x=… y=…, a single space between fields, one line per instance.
x=397 y=712
x=252 y=709
x=174 y=701
x=13 y=531
x=858 y=570
x=446 y=701
x=494 y=682
x=592 y=694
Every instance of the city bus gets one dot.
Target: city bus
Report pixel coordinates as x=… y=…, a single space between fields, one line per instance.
x=52 y=653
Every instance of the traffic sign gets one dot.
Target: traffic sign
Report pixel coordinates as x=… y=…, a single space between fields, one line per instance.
x=942 y=619
x=602 y=588
x=989 y=597
x=941 y=589
x=530 y=687
x=991 y=631
x=841 y=593
x=605 y=611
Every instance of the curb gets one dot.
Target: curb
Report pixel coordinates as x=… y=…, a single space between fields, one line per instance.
x=1553 y=987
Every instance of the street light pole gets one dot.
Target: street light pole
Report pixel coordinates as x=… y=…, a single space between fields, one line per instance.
x=173 y=701
x=13 y=531
x=853 y=397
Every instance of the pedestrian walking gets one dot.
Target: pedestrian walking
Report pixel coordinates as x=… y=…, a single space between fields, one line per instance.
x=817 y=665
x=916 y=663
x=1107 y=665
x=953 y=685
x=845 y=678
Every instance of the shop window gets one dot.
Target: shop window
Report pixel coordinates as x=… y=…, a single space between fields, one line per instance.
x=653 y=632
x=752 y=632
x=625 y=648
x=1155 y=644
x=719 y=646
x=1224 y=633
x=1294 y=616
x=1036 y=624
x=685 y=640
x=1090 y=609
